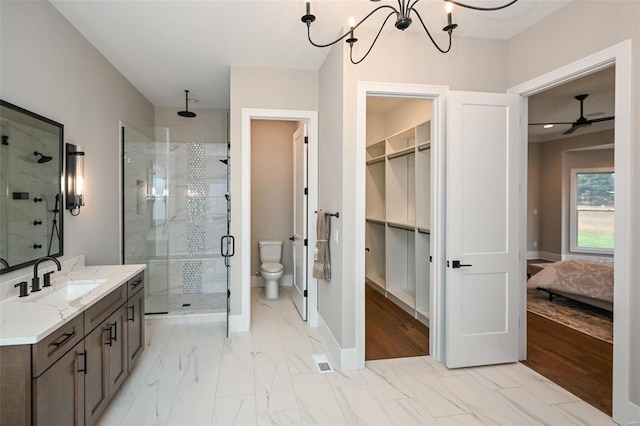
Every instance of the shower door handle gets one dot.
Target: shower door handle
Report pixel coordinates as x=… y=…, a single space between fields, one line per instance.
x=227 y=238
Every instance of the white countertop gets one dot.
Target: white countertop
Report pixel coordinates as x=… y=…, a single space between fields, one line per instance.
x=25 y=320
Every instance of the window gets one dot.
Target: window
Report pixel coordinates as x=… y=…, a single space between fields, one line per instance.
x=592 y=210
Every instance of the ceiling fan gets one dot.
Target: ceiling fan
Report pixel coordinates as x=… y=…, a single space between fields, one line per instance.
x=580 y=122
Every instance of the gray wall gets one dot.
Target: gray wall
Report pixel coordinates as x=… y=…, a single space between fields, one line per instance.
x=272 y=187
x=554 y=164
x=266 y=88
x=402 y=57
x=49 y=68
x=579 y=29
x=209 y=125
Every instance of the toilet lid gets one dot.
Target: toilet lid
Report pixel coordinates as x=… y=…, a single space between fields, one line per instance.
x=272 y=267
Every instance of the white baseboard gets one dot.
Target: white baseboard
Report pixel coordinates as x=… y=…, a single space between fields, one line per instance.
x=239 y=323
x=285 y=281
x=548 y=256
x=346 y=359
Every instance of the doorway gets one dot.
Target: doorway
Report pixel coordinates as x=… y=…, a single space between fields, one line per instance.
x=571 y=207
x=398 y=227
x=618 y=55
x=242 y=322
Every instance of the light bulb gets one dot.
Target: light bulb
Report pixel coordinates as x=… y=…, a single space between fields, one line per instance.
x=448 y=7
x=352 y=22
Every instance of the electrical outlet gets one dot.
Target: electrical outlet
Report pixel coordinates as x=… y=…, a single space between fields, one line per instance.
x=535 y=244
x=535 y=212
x=335 y=237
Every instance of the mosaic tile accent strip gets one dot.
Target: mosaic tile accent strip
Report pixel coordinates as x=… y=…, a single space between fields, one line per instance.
x=196 y=208
x=192 y=276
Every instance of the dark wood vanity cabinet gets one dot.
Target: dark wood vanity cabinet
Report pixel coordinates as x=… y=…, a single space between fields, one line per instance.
x=107 y=357
x=69 y=377
x=59 y=393
x=135 y=326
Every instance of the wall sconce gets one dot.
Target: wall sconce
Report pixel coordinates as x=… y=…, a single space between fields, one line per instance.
x=75 y=178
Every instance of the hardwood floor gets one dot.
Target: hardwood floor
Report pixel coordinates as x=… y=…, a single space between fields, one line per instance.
x=390 y=331
x=581 y=364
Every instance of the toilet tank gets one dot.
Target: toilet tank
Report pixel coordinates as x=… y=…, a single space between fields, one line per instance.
x=270 y=251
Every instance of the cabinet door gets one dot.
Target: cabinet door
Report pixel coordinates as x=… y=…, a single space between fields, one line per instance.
x=96 y=384
x=58 y=394
x=117 y=357
x=135 y=328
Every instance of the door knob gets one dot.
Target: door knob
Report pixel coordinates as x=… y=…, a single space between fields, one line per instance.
x=456 y=264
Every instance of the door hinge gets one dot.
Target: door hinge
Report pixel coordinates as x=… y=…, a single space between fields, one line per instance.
x=306 y=293
x=306 y=191
x=430 y=258
x=228 y=293
x=306 y=242
x=306 y=139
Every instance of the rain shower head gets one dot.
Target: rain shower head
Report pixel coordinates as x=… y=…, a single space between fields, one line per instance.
x=43 y=158
x=186 y=112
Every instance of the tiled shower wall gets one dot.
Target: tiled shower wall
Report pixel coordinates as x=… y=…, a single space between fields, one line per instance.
x=197 y=218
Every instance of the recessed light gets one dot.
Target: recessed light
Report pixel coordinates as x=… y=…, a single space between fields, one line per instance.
x=548 y=126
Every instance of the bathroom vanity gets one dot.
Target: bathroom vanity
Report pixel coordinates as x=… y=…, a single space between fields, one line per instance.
x=66 y=350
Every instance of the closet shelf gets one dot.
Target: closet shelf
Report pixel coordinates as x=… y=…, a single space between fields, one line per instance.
x=407 y=298
x=377 y=221
x=377 y=281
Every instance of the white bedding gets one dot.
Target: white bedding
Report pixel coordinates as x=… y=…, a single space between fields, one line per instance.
x=589 y=281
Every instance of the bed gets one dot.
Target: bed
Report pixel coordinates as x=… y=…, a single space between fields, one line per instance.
x=587 y=281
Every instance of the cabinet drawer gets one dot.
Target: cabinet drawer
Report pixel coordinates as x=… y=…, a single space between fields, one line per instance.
x=105 y=307
x=135 y=284
x=54 y=346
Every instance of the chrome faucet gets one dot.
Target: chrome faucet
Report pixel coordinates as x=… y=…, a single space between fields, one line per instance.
x=35 y=281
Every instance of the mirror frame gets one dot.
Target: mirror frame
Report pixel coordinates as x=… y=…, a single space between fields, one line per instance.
x=60 y=212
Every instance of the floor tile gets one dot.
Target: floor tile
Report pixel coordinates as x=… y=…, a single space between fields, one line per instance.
x=192 y=374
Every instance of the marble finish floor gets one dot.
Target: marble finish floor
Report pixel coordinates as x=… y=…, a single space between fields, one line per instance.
x=190 y=374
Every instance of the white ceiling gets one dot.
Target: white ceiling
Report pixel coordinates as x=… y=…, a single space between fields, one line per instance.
x=164 y=47
x=559 y=105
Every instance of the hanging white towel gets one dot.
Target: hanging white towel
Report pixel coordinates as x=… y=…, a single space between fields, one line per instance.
x=321 y=257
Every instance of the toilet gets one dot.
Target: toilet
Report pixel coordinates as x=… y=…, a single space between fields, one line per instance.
x=270 y=267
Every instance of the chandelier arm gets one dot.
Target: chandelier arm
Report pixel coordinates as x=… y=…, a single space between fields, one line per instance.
x=372 y=44
x=429 y=34
x=486 y=9
x=345 y=35
x=413 y=5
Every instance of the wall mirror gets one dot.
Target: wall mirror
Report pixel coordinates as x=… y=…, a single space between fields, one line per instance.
x=30 y=187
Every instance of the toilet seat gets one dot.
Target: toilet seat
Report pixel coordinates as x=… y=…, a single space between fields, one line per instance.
x=272 y=267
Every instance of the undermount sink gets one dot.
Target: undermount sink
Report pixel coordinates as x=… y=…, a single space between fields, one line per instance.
x=71 y=290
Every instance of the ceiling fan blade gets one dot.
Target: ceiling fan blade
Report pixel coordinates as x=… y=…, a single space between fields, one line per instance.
x=542 y=124
x=597 y=120
x=571 y=130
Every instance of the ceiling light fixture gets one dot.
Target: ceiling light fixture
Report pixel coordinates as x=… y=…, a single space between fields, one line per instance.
x=403 y=21
x=547 y=126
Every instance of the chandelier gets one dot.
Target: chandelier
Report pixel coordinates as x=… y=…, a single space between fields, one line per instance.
x=403 y=21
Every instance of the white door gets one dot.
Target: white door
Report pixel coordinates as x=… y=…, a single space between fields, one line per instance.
x=300 y=220
x=482 y=231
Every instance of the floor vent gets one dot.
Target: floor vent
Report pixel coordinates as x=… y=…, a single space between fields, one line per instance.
x=322 y=363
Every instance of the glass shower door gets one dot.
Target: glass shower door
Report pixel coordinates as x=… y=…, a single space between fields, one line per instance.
x=145 y=210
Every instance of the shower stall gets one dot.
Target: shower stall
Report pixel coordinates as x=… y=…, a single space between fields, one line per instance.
x=176 y=220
